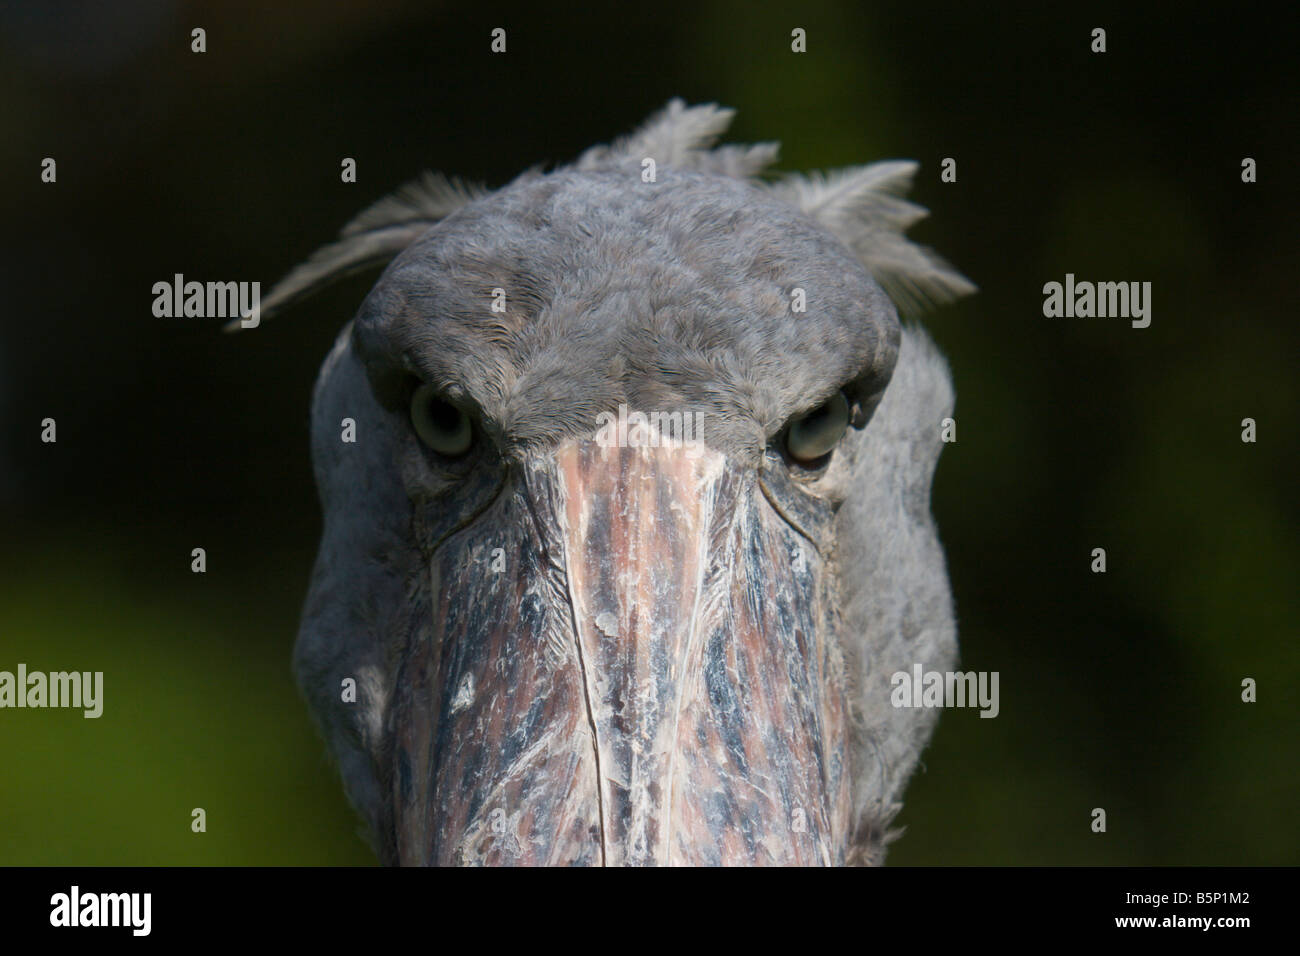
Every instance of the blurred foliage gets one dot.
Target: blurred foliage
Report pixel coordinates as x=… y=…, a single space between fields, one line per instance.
x=1118 y=690
x=199 y=712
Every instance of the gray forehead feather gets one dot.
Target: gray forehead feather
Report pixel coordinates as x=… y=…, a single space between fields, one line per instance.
x=862 y=206
x=676 y=293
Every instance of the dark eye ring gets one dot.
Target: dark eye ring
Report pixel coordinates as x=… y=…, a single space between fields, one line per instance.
x=814 y=435
x=440 y=425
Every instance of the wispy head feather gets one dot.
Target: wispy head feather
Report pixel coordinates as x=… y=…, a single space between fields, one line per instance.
x=683 y=136
x=373 y=237
x=862 y=205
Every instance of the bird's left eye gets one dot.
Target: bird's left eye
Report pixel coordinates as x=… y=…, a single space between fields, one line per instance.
x=815 y=434
x=440 y=425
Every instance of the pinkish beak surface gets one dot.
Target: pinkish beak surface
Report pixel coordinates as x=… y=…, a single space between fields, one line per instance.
x=642 y=676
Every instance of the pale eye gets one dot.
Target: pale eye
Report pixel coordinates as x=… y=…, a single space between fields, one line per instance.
x=817 y=433
x=439 y=424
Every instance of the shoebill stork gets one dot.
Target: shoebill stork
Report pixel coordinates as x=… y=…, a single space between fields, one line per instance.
x=569 y=650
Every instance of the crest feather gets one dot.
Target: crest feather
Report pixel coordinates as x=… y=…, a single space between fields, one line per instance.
x=863 y=206
x=681 y=135
x=429 y=198
x=374 y=236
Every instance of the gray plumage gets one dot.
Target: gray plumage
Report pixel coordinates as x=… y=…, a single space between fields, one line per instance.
x=672 y=294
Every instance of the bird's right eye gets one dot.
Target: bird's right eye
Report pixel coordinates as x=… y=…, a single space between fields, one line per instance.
x=442 y=426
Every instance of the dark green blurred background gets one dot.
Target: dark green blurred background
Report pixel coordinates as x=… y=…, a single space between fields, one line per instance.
x=1119 y=691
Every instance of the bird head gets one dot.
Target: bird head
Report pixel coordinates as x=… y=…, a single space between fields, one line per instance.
x=625 y=473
